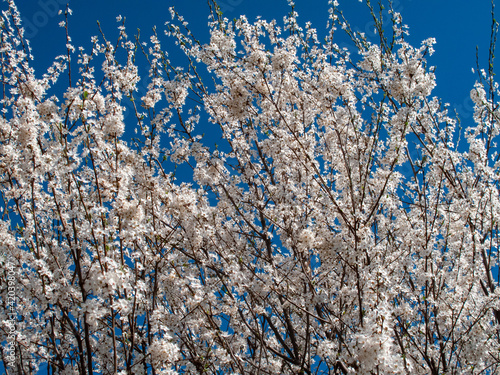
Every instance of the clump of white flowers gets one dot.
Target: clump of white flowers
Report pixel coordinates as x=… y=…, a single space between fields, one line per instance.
x=163 y=353
x=335 y=227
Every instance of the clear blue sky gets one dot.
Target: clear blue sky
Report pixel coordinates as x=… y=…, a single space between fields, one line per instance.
x=458 y=26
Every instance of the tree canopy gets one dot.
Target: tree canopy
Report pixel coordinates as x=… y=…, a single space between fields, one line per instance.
x=345 y=221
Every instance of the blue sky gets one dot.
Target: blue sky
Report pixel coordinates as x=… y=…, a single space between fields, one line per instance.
x=458 y=26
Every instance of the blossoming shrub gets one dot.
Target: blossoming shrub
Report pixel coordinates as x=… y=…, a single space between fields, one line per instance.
x=337 y=229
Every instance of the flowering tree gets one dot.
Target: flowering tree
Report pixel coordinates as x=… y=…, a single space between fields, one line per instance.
x=337 y=228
